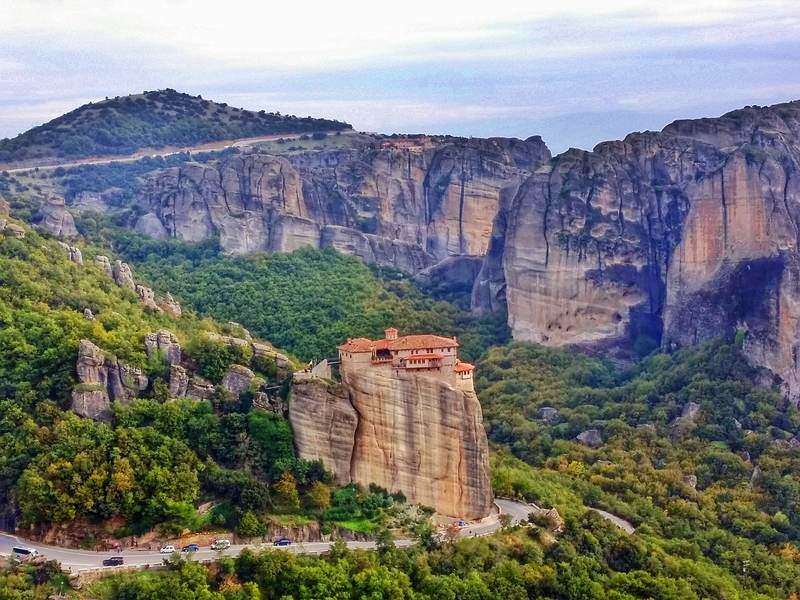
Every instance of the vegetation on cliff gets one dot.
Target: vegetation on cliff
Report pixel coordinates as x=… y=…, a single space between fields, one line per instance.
x=153 y=119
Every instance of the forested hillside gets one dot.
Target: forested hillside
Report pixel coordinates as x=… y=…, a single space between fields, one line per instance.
x=153 y=119
x=159 y=457
x=306 y=302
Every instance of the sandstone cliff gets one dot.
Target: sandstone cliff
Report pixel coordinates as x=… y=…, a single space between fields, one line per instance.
x=405 y=202
x=407 y=432
x=679 y=236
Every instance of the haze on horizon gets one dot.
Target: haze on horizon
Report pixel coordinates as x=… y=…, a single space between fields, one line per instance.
x=576 y=74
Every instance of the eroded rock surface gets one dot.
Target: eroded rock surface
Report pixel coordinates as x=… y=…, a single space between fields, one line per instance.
x=405 y=202
x=54 y=218
x=407 y=432
x=677 y=236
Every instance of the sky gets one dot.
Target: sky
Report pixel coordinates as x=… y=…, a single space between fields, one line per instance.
x=574 y=72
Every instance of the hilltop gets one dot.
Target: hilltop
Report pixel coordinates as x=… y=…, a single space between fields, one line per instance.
x=154 y=119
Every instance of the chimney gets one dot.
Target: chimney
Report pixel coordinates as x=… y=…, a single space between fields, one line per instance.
x=391 y=333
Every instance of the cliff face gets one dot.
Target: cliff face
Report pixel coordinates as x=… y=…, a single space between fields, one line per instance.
x=406 y=202
x=681 y=235
x=406 y=432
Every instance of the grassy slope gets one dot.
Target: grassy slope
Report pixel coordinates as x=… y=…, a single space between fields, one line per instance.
x=149 y=120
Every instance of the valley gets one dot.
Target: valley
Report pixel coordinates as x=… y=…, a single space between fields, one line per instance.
x=354 y=341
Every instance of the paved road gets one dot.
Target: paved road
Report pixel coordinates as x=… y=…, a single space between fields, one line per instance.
x=207 y=147
x=81 y=560
x=626 y=526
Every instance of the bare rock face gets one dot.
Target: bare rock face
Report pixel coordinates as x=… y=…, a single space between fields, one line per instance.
x=5 y=207
x=678 y=236
x=14 y=230
x=178 y=381
x=54 y=218
x=238 y=379
x=163 y=342
x=324 y=423
x=405 y=202
x=406 y=432
x=74 y=253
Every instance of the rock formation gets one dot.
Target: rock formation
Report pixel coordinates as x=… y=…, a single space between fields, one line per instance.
x=401 y=422
x=165 y=343
x=238 y=379
x=405 y=202
x=677 y=236
x=54 y=218
x=103 y=379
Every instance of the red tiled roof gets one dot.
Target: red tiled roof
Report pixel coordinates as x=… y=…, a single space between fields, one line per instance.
x=462 y=367
x=413 y=342
x=357 y=345
x=406 y=342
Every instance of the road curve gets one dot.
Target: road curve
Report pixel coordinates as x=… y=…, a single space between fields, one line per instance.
x=82 y=560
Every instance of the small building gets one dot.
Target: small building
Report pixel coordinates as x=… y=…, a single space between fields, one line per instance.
x=419 y=353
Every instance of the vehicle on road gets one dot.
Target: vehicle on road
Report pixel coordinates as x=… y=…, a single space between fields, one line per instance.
x=114 y=561
x=220 y=544
x=282 y=542
x=461 y=523
x=190 y=548
x=24 y=553
x=167 y=550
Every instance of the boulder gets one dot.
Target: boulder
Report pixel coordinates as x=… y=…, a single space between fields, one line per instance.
x=74 y=253
x=590 y=437
x=125 y=382
x=123 y=275
x=237 y=379
x=54 y=218
x=14 y=230
x=690 y=480
x=549 y=415
x=88 y=314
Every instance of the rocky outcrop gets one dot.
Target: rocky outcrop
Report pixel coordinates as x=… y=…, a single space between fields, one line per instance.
x=123 y=275
x=103 y=379
x=104 y=264
x=54 y=218
x=164 y=343
x=407 y=202
x=147 y=297
x=198 y=388
x=237 y=379
x=676 y=237
x=73 y=252
x=407 y=432
x=178 y=381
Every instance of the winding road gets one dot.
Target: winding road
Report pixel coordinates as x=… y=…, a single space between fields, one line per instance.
x=83 y=560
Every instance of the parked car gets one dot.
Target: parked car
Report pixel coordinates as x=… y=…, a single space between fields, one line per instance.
x=167 y=550
x=282 y=542
x=190 y=548
x=461 y=523
x=114 y=561
x=220 y=544
x=24 y=553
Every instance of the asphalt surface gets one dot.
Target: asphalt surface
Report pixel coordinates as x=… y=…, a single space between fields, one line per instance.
x=82 y=560
x=207 y=147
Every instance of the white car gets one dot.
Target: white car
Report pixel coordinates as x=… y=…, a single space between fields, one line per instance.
x=167 y=550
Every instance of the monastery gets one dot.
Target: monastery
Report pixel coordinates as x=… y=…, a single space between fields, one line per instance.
x=429 y=354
